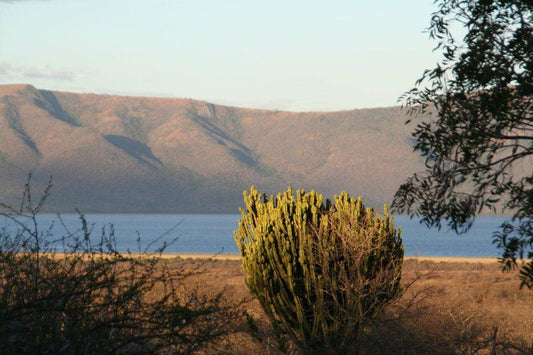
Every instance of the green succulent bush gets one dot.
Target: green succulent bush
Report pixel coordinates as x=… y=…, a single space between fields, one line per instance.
x=321 y=271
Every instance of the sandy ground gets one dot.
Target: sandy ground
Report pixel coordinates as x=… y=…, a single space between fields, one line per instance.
x=203 y=256
x=238 y=257
x=421 y=258
x=442 y=259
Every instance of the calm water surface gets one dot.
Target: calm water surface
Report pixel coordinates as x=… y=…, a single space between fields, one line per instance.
x=213 y=233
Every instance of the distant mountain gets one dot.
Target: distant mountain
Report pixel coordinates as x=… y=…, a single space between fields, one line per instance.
x=136 y=154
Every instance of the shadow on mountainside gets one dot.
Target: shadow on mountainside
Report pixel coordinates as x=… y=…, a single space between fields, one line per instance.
x=241 y=152
x=13 y=120
x=134 y=148
x=54 y=107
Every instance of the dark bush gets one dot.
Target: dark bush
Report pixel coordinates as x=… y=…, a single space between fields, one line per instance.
x=74 y=295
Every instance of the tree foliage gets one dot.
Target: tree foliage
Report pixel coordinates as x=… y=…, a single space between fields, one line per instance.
x=474 y=124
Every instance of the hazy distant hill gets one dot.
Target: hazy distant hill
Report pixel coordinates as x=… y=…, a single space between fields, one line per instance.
x=136 y=154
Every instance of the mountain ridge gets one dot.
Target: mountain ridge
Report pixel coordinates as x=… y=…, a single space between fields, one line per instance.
x=110 y=153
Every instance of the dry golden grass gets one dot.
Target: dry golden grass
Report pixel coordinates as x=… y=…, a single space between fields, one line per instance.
x=458 y=307
x=447 y=307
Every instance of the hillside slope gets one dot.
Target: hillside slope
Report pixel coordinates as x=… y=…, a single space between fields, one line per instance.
x=137 y=154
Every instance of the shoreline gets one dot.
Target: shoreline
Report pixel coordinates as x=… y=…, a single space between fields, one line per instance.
x=235 y=257
x=442 y=259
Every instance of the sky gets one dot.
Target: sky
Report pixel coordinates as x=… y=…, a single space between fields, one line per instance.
x=288 y=55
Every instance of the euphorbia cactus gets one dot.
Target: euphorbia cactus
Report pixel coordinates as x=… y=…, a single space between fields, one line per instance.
x=319 y=270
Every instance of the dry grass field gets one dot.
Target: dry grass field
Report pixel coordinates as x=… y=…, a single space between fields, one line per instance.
x=452 y=306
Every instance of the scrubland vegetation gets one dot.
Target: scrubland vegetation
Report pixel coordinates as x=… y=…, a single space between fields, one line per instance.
x=76 y=294
x=92 y=299
x=315 y=277
x=446 y=307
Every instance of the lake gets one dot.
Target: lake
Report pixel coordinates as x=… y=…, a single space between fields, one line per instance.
x=213 y=233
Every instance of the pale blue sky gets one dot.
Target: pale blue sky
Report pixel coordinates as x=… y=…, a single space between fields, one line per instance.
x=289 y=55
